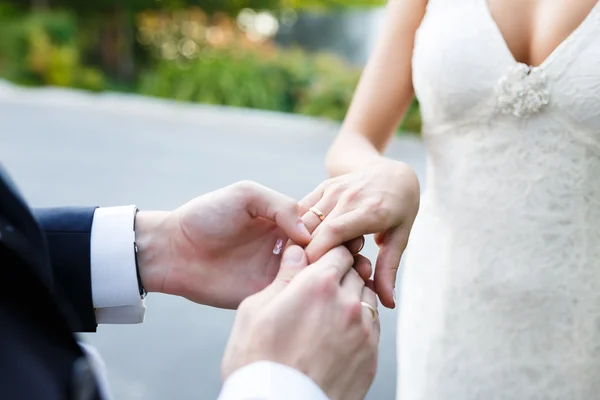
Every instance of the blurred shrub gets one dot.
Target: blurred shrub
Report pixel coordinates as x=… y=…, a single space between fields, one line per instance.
x=41 y=49
x=212 y=59
x=330 y=89
x=332 y=4
x=219 y=60
x=240 y=78
x=288 y=81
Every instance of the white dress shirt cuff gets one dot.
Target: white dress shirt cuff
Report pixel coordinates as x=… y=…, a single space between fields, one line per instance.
x=115 y=290
x=266 y=380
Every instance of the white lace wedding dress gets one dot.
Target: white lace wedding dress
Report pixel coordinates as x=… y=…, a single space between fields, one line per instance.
x=500 y=296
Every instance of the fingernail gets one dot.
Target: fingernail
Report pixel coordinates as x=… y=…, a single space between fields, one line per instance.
x=278 y=246
x=394 y=295
x=293 y=255
x=302 y=228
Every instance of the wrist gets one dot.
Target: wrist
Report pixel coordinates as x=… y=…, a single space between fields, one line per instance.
x=351 y=152
x=151 y=234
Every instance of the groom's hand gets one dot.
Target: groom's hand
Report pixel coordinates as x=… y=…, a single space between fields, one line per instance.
x=218 y=248
x=311 y=319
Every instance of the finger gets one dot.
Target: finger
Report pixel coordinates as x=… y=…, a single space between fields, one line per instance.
x=311 y=219
x=387 y=264
x=313 y=197
x=356 y=245
x=277 y=207
x=363 y=266
x=371 y=285
x=369 y=297
x=293 y=262
x=336 y=230
x=352 y=283
x=339 y=259
x=379 y=238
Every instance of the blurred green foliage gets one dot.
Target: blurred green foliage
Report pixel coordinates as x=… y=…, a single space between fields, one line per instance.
x=287 y=80
x=240 y=78
x=332 y=4
x=190 y=54
x=229 y=6
x=41 y=49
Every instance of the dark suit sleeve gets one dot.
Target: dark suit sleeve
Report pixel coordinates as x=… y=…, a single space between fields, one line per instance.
x=68 y=234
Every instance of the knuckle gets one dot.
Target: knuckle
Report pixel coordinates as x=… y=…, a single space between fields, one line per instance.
x=339 y=258
x=290 y=207
x=364 y=336
x=379 y=213
x=353 y=313
x=326 y=283
x=351 y=196
x=323 y=186
x=375 y=203
x=246 y=306
x=353 y=276
x=246 y=187
x=379 y=208
x=345 y=257
x=334 y=189
x=334 y=228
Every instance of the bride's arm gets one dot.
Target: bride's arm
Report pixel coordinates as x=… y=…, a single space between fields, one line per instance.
x=383 y=95
x=372 y=194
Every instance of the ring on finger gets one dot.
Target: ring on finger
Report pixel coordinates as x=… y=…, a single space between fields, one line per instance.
x=317 y=212
x=374 y=312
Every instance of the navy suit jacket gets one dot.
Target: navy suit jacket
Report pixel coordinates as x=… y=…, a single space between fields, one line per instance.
x=45 y=298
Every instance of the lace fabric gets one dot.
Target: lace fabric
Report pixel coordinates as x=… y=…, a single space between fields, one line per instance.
x=500 y=296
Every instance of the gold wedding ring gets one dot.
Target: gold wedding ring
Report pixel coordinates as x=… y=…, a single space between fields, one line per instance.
x=317 y=212
x=374 y=312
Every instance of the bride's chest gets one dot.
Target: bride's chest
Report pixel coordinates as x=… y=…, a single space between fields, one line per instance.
x=463 y=70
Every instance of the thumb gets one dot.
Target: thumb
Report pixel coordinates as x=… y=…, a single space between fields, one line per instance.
x=279 y=208
x=292 y=262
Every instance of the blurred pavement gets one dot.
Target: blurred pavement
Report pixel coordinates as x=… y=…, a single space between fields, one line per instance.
x=71 y=148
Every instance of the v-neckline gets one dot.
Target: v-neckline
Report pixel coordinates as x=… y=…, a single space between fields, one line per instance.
x=571 y=37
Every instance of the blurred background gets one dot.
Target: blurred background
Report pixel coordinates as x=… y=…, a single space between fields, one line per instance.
x=154 y=102
x=295 y=56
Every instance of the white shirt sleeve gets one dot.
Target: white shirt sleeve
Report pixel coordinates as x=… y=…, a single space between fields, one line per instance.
x=115 y=291
x=266 y=380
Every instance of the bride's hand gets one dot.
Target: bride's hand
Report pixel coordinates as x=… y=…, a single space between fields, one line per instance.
x=382 y=199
